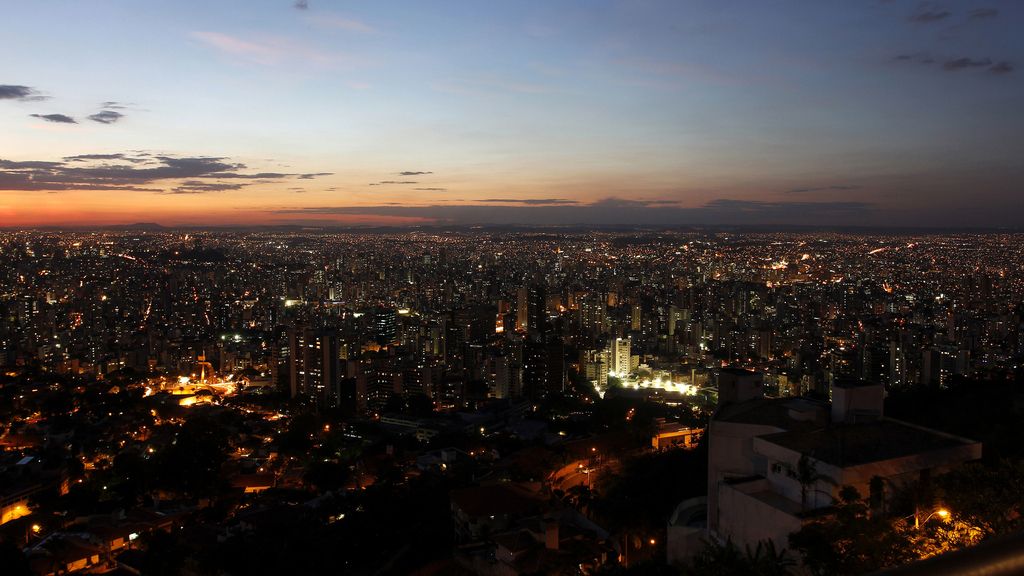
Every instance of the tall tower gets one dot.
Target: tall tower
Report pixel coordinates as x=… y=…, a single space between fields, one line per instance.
x=385 y=325
x=621 y=349
x=205 y=368
x=538 y=315
x=313 y=364
x=522 y=317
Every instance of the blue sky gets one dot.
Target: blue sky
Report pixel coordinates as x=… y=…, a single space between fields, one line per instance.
x=759 y=112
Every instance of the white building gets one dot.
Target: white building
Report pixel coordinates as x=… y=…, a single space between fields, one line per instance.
x=756 y=446
x=621 y=356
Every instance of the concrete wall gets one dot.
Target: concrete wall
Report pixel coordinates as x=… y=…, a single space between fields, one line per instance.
x=747 y=520
x=731 y=455
x=686 y=530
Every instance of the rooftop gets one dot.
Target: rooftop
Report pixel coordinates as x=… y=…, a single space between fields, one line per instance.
x=782 y=413
x=863 y=442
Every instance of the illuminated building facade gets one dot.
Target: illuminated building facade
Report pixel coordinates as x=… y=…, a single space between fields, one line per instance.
x=621 y=349
x=314 y=368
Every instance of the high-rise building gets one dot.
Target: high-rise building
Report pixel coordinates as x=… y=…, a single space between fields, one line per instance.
x=522 y=317
x=537 y=306
x=314 y=367
x=534 y=368
x=385 y=325
x=621 y=348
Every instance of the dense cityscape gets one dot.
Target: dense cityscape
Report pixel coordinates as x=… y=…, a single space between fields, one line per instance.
x=522 y=288
x=480 y=401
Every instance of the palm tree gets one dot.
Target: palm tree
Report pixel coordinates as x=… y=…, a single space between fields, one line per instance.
x=806 y=473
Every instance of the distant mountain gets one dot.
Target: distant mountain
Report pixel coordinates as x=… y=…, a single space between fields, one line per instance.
x=147 y=226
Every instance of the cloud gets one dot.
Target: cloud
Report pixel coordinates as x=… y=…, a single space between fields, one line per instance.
x=1001 y=68
x=257 y=175
x=920 y=58
x=113 y=105
x=837 y=188
x=529 y=201
x=27 y=165
x=627 y=203
x=272 y=51
x=431 y=189
x=777 y=208
x=383 y=182
x=411 y=173
x=252 y=51
x=929 y=13
x=302 y=4
x=59 y=118
x=981 y=13
x=134 y=171
x=201 y=187
x=106 y=117
x=959 y=63
x=610 y=212
x=955 y=64
x=86 y=157
x=17 y=92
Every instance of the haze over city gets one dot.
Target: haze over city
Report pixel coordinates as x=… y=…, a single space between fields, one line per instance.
x=591 y=113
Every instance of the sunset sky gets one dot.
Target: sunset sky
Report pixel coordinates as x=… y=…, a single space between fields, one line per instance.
x=597 y=112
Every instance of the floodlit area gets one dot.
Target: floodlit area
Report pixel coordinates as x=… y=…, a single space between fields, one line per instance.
x=195 y=390
x=660 y=380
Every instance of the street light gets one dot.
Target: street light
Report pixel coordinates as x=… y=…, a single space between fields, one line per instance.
x=942 y=513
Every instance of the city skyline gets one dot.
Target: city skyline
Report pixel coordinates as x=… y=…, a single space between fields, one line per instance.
x=592 y=114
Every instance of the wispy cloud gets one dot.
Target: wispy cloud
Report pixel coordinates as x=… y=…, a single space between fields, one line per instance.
x=136 y=172
x=201 y=187
x=18 y=92
x=106 y=116
x=412 y=173
x=983 y=13
x=529 y=201
x=919 y=57
x=929 y=12
x=59 y=118
x=608 y=212
x=272 y=51
x=1001 y=68
x=86 y=157
x=962 y=63
x=956 y=64
x=836 y=188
